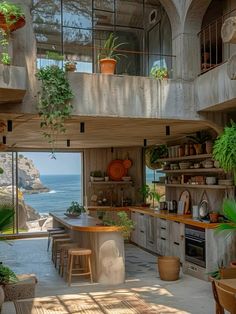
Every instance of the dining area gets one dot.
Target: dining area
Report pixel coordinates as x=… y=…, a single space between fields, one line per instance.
x=224 y=290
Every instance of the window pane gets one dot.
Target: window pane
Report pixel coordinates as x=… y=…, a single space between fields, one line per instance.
x=77 y=13
x=47 y=12
x=104 y=4
x=129 y=13
x=102 y=18
x=78 y=47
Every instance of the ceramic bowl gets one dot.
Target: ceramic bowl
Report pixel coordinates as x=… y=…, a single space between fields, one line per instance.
x=210 y=180
x=126 y=178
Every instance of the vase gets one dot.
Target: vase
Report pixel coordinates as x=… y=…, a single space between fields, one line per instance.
x=168 y=267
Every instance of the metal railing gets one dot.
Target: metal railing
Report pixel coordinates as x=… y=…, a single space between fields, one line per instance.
x=213 y=51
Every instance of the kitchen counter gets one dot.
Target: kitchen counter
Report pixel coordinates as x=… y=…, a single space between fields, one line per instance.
x=185 y=219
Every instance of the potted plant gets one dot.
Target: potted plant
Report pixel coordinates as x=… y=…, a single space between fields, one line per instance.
x=75 y=210
x=224 y=149
x=153 y=154
x=149 y=194
x=70 y=66
x=109 y=55
x=54 y=105
x=126 y=224
x=11 y=18
x=96 y=175
x=199 y=139
x=214 y=216
x=159 y=73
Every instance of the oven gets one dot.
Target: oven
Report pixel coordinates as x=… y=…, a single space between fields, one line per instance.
x=195 y=245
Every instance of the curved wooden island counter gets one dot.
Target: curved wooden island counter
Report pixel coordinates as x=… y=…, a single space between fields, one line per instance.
x=106 y=243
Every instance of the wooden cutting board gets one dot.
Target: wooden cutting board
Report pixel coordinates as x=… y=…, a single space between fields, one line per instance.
x=185 y=198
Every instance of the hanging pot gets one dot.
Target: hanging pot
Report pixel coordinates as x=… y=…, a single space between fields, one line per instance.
x=16 y=23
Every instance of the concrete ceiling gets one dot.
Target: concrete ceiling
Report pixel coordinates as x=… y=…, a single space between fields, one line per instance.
x=99 y=132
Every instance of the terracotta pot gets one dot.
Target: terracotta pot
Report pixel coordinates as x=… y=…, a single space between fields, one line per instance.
x=107 y=66
x=209 y=147
x=214 y=217
x=198 y=148
x=14 y=26
x=70 y=67
x=168 y=267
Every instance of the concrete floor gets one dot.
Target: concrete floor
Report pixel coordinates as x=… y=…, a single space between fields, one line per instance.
x=187 y=295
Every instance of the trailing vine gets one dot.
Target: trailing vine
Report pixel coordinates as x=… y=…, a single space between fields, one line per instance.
x=54 y=102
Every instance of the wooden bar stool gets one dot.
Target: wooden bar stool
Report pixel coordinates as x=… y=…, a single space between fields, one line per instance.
x=51 y=231
x=59 y=236
x=64 y=255
x=84 y=265
x=56 y=248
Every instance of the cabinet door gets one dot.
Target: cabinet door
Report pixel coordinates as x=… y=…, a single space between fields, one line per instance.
x=142 y=238
x=150 y=232
x=162 y=236
x=177 y=239
x=134 y=233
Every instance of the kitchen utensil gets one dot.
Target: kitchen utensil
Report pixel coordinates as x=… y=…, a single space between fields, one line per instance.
x=195 y=212
x=116 y=170
x=162 y=205
x=203 y=209
x=180 y=207
x=185 y=198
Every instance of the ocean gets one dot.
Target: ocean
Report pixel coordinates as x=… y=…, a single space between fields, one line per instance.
x=63 y=190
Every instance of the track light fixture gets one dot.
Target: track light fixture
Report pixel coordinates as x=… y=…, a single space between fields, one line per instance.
x=9 y=125
x=82 y=128
x=68 y=143
x=4 y=140
x=145 y=142
x=167 y=130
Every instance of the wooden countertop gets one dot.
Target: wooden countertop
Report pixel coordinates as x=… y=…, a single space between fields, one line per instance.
x=84 y=223
x=186 y=219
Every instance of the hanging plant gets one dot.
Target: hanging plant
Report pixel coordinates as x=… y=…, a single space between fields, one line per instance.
x=54 y=102
x=224 y=149
x=153 y=154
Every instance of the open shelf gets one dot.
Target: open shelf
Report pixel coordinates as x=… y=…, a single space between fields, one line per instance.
x=201 y=186
x=192 y=157
x=110 y=182
x=200 y=170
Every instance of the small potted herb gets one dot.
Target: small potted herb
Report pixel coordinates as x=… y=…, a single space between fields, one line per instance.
x=96 y=175
x=70 y=66
x=159 y=73
x=75 y=210
x=123 y=221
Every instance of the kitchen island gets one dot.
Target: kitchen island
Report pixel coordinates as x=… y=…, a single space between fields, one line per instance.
x=106 y=243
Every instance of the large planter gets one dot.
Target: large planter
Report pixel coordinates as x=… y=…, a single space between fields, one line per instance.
x=16 y=23
x=168 y=267
x=107 y=66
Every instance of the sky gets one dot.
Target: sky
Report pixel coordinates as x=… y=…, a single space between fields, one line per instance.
x=65 y=163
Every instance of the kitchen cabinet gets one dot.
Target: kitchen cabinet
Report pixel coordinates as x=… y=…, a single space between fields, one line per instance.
x=134 y=233
x=142 y=230
x=151 y=234
x=162 y=236
x=176 y=239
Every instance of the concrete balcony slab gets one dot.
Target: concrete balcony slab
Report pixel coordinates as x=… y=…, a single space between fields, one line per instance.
x=12 y=84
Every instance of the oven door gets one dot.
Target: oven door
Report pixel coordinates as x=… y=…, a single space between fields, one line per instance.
x=195 y=250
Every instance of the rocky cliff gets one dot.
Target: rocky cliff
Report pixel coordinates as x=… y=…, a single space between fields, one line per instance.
x=28 y=175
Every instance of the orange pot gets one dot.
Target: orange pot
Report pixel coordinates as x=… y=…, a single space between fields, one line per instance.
x=107 y=66
x=14 y=26
x=214 y=217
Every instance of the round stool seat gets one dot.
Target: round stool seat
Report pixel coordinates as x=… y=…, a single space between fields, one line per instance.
x=79 y=251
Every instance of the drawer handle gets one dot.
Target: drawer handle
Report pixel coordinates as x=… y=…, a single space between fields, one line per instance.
x=151 y=242
x=141 y=214
x=163 y=238
x=141 y=231
x=163 y=228
x=176 y=243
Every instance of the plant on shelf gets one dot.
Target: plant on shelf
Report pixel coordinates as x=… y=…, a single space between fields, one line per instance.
x=153 y=154
x=96 y=175
x=109 y=55
x=149 y=194
x=54 y=105
x=70 y=66
x=126 y=224
x=11 y=18
x=159 y=73
x=199 y=139
x=224 y=149
x=75 y=210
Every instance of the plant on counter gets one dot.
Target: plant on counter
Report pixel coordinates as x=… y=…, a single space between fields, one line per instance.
x=153 y=154
x=229 y=211
x=75 y=209
x=158 y=72
x=54 y=105
x=123 y=221
x=150 y=194
x=224 y=149
x=7 y=275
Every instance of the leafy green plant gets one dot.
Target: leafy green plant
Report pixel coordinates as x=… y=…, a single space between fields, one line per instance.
x=11 y=12
x=229 y=211
x=6 y=216
x=7 y=275
x=4 y=43
x=148 y=193
x=1 y=171
x=96 y=174
x=159 y=73
x=126 y=224
x=5 y=58
x=54 y=102
x=153 y=154
x=53 y=55
x=109 y=50
x=224 y=149
x=75 y=208
x=200 y=138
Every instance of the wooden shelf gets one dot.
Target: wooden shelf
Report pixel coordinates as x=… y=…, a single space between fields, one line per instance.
x=110 y=182
x=201 y=186
x=192 y=157
x=200 y=170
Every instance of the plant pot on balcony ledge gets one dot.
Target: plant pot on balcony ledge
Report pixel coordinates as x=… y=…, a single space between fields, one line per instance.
x=107 y=66
x=17 y=22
